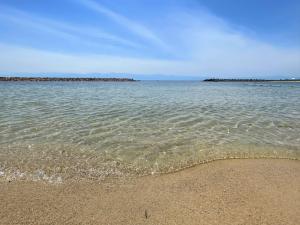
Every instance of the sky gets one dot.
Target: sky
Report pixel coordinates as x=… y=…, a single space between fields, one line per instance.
x=151 y=38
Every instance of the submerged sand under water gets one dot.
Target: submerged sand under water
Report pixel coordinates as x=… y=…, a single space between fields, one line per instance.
x=63 y=131
x=258 y=191
x=53 y=167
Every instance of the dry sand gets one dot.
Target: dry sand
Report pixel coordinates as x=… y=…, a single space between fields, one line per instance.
x=231 y=192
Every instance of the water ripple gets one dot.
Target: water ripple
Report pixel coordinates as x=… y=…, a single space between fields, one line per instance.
x=57 y=131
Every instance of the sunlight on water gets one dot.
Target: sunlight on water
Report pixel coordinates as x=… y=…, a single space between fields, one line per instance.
x=55 y=131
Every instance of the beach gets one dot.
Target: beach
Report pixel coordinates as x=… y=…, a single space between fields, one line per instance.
x=149 y=112
x=237 y=191
x=149 y=152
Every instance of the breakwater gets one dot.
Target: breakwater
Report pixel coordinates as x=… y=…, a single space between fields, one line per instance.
x=69 y=79
x=249 y=80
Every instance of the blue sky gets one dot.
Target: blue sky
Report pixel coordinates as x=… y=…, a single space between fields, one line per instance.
x=190 y=38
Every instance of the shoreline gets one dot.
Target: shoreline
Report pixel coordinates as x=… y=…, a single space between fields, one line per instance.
x=231 y=191
x=20 y=176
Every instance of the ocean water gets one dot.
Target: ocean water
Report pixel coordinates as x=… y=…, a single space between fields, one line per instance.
x=56 y=131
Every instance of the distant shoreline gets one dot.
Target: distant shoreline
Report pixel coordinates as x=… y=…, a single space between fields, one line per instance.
x=249 y=80
x=66 y=79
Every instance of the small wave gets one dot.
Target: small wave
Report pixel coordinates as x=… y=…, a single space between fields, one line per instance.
x=76 y=166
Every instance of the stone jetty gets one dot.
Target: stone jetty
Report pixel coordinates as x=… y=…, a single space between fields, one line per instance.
x=249 y=80
x=66 y=79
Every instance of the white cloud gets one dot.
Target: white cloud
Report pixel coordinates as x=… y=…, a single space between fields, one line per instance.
x=214 y=47
x=27 y=60
x=129 y=24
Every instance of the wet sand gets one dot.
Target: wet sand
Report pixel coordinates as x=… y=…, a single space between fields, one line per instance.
x=257 y=191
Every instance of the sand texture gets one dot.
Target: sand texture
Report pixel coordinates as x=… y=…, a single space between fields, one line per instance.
x=257 y=191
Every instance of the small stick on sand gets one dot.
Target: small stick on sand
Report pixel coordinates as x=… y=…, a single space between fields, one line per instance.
x=146 y=214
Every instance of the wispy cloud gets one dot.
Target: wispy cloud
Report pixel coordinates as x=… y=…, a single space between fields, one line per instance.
x=28 y=60
x=31 y=60
x=70 y=32
x=129 y=24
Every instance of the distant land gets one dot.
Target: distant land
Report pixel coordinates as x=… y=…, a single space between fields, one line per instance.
x=77 y=79
x=250 y=80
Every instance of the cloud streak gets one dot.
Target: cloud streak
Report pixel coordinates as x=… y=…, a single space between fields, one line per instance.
x=64 y=30
x=36 y=61
x=129 y=24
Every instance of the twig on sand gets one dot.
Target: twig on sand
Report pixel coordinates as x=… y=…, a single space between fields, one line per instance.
x=146 y=214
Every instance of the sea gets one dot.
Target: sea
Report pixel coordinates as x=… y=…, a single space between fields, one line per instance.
x=68 y=131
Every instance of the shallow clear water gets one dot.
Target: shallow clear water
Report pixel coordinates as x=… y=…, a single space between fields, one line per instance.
x=71 y=130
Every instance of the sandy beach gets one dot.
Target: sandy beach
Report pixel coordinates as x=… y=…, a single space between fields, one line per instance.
x=252 y=191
